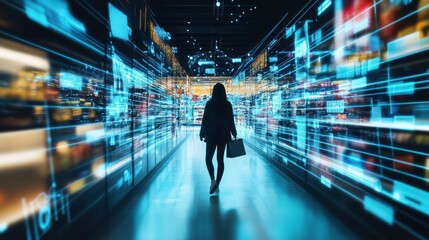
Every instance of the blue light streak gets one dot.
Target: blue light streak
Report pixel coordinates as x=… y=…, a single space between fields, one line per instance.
x=323 y=6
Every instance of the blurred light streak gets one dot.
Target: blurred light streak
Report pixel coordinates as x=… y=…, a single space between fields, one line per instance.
x=11 y=59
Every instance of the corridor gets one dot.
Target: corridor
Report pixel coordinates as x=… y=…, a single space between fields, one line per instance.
x=101 y=103
x=256 y=201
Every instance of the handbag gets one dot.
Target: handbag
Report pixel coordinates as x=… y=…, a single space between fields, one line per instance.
x=235 y=148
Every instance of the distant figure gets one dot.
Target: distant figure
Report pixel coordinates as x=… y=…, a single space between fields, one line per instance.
x=216 y=129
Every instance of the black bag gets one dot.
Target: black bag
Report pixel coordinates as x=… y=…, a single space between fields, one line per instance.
x=235 y=148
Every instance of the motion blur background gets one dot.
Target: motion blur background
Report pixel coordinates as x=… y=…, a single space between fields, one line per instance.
x=95 y=94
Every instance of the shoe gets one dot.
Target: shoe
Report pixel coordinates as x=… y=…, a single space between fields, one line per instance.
x=213 y=187
x=213 y=183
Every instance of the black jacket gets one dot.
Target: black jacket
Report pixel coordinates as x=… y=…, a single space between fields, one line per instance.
x=218 y=122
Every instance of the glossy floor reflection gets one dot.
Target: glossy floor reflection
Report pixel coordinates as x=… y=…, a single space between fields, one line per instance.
x=255 y=202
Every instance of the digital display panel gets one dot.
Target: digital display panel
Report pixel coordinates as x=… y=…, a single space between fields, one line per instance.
x=54 y=14
x=118 y=23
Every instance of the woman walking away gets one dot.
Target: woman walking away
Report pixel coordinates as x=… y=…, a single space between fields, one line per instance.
x=216 y=129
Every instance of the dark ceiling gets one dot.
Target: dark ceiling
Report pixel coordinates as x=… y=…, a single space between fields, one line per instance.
x=201 y=30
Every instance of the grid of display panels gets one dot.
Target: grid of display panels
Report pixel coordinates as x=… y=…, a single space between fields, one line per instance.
x=85 y=110
x=343 y=103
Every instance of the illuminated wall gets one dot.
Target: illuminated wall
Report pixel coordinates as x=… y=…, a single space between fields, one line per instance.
x=87 y=110
x=343 y=103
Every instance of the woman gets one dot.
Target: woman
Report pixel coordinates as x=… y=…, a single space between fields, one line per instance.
x=216 y=129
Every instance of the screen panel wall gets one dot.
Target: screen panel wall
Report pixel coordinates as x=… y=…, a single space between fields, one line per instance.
x=341 y=101
x=75 y=88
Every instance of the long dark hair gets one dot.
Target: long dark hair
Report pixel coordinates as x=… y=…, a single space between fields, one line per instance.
x=219 y=93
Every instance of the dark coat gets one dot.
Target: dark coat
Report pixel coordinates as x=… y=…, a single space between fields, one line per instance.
x=218 y=122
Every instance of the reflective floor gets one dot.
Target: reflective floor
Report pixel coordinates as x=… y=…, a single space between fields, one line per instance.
x=255 y=201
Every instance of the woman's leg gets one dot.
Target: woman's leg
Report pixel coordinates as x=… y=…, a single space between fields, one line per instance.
x=220 y=164
x=210 y=149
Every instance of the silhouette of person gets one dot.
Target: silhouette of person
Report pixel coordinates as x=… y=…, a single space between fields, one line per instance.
x=216 y=129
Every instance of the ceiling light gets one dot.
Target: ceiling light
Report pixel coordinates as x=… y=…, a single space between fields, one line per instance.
x=189 y=22
x=217 y=4
x=187 y=30
x=238 y=5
